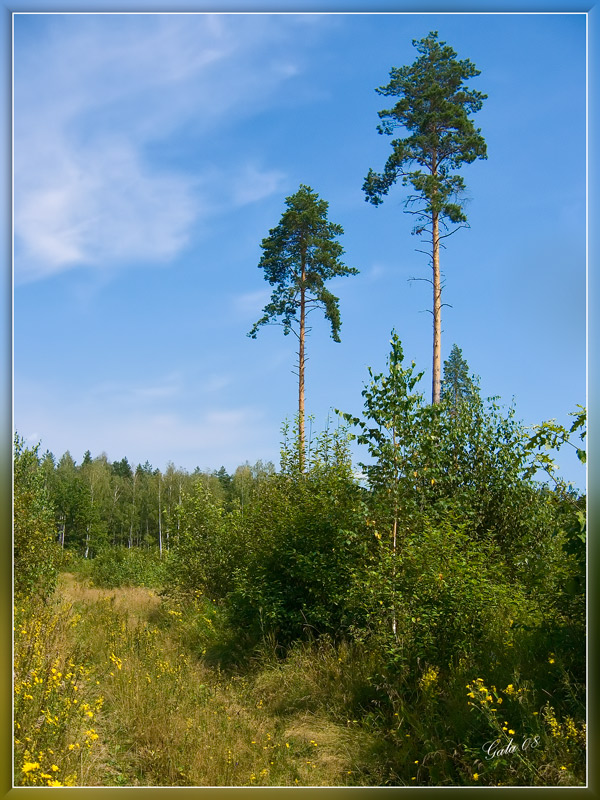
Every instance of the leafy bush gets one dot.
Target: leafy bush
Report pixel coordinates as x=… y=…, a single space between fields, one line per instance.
x=468 y=460
x=442 y=596
x=122 y=566
x=209 y=544
x=36 y=554
x=295 y=573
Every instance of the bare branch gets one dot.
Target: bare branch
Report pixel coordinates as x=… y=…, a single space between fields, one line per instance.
x=425 y=252
x=446 y=235
x=427 y=280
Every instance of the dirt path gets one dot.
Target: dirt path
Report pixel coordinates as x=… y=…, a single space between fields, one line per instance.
x=170 y=720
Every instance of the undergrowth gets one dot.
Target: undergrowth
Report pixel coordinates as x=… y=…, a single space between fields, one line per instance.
x=113 y=688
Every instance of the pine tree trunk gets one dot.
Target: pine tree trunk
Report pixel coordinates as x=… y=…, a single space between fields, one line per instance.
x=301 y=432
x=437 y=312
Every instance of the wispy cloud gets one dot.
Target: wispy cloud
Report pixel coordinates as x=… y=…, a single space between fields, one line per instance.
x=254 y=184
x=101 y=209
x=212 y=384
x=96 y=102
x=121 y=394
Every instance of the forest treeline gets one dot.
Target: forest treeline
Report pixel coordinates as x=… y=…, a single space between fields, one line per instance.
x=453 y=572
x=99 y=503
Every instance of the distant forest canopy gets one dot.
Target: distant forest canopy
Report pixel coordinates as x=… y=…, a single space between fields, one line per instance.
x=99 y=503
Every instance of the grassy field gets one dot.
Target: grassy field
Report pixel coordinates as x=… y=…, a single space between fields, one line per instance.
x=155 y=714
x=126 y=687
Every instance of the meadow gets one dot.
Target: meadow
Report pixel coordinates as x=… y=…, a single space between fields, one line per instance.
x=114 y=688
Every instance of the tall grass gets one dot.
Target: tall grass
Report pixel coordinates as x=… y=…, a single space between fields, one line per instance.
x=113 y=688
x=57 y=699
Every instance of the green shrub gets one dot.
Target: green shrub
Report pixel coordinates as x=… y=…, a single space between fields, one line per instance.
x=297 y=561
x=441 y=596
x=36 y=554
x=122 y=566
x=209 y=544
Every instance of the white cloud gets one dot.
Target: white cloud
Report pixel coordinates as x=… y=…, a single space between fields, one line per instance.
x=215 y=383
x=98 y=99
x=115 y=394
x=376 y=271
x=111 y=211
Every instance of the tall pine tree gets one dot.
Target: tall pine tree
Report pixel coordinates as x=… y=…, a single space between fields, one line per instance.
x=299 y=256
x=433 y=107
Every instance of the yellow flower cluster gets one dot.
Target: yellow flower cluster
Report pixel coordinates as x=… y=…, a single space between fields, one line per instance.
x=483 y=696
x=53 y=700
x=566 y=730
x=33 y=774
x=166 y=667
x=429 y=679
x=116 y=661
x=518 y=694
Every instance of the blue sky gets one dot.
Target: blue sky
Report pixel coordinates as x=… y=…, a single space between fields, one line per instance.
x=154 y=152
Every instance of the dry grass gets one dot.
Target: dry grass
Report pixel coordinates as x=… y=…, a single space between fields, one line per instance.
x=136 y=601
x=169 y=720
